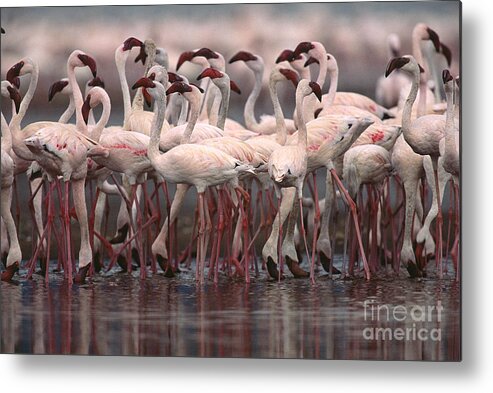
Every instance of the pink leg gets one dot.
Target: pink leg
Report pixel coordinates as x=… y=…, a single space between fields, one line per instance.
x=352 y=207
x=303 y=233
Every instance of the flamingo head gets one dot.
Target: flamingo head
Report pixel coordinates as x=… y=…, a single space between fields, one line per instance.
x=172 y=77
x=311 y=60
x=243 y=56
x=97 y=81
x=287 y=55
x=210 y=73
x=254 y=62
x=15 y=71
x=303 y=47
x=406 y=63
x=132 y=42
x=93 y=98
x=58 y=87
x=184 y=57
x=207 y=53
x=179 y=87
x=290 y=75
x=80 y=59
x=433 y=37
x=446 y=52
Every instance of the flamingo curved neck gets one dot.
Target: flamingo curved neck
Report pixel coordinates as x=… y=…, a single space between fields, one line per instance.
x=138 y=102
x=334 y=81
x=450 y=147
x=156 y=127
x=408 y=105
x=194 y=116
x=302 y=132
x=183 y=112
x=103 y=120
x=78 y=100
x=225 y=96
x=65 y=117
x=120 y=60
x=281 y=132
x=249 y=111
x=15 y=122
x=6 y=135
x=418 y=55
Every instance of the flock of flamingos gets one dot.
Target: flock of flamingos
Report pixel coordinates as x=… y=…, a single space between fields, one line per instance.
x=381 y=157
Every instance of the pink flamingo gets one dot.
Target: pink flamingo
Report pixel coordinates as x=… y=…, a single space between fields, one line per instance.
x=267 y=124
x=14 y=256
x=423 y=134
x=208 y=166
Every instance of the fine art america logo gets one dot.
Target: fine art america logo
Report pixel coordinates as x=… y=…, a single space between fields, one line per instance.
x=399 y=323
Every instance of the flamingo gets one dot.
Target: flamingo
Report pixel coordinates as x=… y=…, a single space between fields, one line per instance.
x=14 y=255
x=197 y=165
x=388 y=90
x=61 y=150
x=267 y=124
x=422 y=134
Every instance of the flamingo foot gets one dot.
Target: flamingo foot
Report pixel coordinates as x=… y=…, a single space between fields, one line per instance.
x=10 y=272
x=80 y=277
x=121 y=235
x=295 y=268
x=165 y=266
x=272 y=269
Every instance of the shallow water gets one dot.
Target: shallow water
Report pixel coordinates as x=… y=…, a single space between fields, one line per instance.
x=118 y=314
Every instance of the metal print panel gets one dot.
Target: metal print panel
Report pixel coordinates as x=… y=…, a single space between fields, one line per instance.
x=236 y=180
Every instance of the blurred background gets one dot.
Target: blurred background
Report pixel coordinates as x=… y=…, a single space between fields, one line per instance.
x=355 y=33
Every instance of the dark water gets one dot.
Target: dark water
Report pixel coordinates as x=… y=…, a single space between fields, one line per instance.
x=118 y=314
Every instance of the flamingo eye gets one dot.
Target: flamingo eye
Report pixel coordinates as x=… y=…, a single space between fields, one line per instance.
x=349 y=125
x=289 y=171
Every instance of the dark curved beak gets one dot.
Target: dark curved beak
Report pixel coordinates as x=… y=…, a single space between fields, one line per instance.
x=446 y=52
x=316 y=90
x=286 y=55
x=207 y=53
x=132 y=42
x=434 y=38
x=210 y=73
x=303 y=47
x=89 y=62
x=242 y=56
x=86 y=108
x=185 y=56
x=14 y=72
x=147 y=98
x=3 y=30
x=143 y=82
x=55 y=88
x=15 y=96
x=394 y=64
x=234 y=87
x=172 y=77
x=97 y=81
x=311 y=60
x=142 y=56
x=178 y=87
x=446 y=76
x=290 y=75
